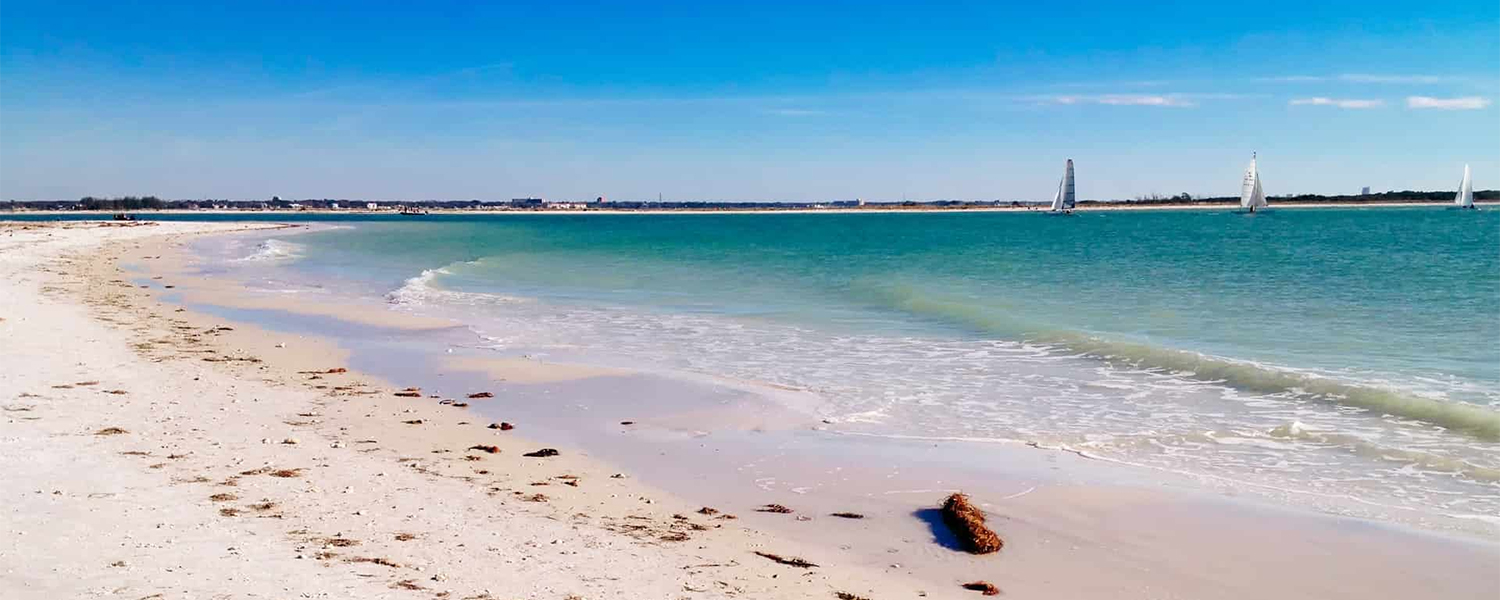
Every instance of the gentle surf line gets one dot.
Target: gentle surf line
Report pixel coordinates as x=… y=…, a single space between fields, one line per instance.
x=1477 y=421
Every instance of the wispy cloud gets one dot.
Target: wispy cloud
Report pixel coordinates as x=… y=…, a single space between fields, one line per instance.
x=1290 y=79
x=1368 y=78
x=1361 y=78
x=1464 y=103
x=1340 y=103
x=1168 y=100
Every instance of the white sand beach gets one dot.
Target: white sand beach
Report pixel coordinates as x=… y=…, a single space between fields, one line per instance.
x=150 y=451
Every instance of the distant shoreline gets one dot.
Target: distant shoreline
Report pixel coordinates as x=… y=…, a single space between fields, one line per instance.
x=881 y=209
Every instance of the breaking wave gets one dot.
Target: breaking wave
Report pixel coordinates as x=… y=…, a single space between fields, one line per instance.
x=274 y=250
x=1478 y=421
x=423 y=290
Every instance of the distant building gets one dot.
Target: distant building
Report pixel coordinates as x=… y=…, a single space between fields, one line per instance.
x=859 y=201
x=600 y=200
x=372 y=206
x=1364 y=191
x=527 y=202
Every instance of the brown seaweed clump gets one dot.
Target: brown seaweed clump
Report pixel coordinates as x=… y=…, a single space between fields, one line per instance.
x=543 y=453
x=983 y=587
x=484 y=448
x=774 y=508
x=848 y=515
x=967 y=523
x=478 y=395
x=110 y=431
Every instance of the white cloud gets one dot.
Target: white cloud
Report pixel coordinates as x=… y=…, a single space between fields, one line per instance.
x=1367 y=78
x=1172 y=100
x=1291 y=79
x=1361 y=78
x=1464 y=103
x=1321 y=101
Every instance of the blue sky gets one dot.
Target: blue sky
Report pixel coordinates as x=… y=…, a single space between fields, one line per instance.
x=775 y=101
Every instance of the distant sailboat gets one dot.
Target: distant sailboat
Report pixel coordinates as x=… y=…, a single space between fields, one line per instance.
x=1065 y=199
x=1252 y=197
x=1465 y=198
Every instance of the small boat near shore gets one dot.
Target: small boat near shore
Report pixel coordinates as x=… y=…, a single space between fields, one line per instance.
x=1465 y=198
x=1252 y=197
x=1066 y=199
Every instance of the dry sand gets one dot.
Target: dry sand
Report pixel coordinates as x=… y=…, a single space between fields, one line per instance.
x=381 y=496
x=148 y=453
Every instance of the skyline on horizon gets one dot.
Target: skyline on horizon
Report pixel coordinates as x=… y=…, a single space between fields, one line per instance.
x=878 y=101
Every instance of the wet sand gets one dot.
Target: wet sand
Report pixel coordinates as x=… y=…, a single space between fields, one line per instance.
x=1075 y=528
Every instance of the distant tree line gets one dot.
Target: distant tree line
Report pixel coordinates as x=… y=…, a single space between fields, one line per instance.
x=131 y=203
x=122 y=203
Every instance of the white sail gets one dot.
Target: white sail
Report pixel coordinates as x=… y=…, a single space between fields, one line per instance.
x=1252 y=197
x=1065 y=198
x=1465 y=198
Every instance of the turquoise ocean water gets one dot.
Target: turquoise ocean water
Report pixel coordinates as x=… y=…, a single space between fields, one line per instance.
x=1330 y=353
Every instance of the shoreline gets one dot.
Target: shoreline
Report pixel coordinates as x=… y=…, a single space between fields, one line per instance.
x=435 y=211
x=1098 y=521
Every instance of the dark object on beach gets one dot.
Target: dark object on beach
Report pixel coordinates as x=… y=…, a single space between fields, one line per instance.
x=710 y=511
x=627 y=422
x=405 y=537
x=983 y=587
x=287 y=473
x=967 y=523
x=848 y=596
x=110 y=431
x=786 y=560
x=543 y=453
x=384 y=562
x=848 y=515
x=460 y=404
x=413 y=422
x=489 y=449
x=409 y=394
x=774 y=508
x=504 y=426
x=481 y=395
x=337 y=370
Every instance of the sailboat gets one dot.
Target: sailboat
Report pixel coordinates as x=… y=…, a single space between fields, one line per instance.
x=1063 y=202
x=1465 y=198
x=1252 y=197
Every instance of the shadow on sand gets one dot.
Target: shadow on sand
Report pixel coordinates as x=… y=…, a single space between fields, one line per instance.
x=940 y=533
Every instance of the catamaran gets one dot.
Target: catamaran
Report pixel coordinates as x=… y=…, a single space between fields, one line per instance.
x=1063 y=202
x=1465 y=198
x=1252 y=198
